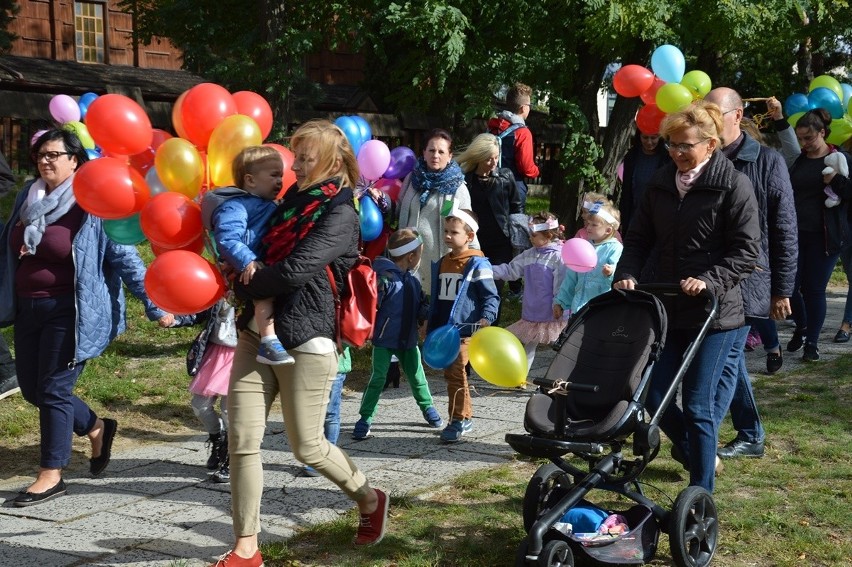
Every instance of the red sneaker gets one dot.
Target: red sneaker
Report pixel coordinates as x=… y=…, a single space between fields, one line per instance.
x=231 y=559
x=371 y=529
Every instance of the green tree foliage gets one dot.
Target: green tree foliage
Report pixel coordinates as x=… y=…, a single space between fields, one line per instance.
x=8 y=10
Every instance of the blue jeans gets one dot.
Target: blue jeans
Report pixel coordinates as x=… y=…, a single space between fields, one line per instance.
x=768 y=331
x=735 y=393
x=814 y=271
x=332 y=412
x=846 y=259
x=45 y=346
x=693 y=429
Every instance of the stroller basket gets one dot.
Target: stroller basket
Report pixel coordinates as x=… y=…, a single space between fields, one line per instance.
x=636 y=547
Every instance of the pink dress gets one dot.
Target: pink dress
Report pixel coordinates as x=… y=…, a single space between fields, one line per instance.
x=215 y=371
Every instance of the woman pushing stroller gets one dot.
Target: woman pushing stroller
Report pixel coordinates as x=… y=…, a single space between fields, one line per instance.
x=701 y=215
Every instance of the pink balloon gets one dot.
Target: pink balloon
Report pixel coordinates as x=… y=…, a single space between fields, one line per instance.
x=64 y=109
x=373 y=159
x=579 y=255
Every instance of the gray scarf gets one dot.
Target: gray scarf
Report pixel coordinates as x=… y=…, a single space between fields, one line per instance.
x=37 y=214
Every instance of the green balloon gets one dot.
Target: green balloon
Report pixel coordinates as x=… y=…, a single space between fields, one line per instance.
x=124 y=231
x=698 y=83
x=793 y=118
x=673 y=97
x=828 y=82
x=841 y=130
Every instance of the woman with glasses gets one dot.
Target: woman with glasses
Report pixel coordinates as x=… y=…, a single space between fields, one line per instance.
x=60 y=285
x=823 y=225
x=701 y=216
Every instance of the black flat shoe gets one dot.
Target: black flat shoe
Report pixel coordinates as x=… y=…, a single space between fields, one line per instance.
x=841 y=336
x=99 y=464
x=774 y=361
x=33 y=498
x=740 y=448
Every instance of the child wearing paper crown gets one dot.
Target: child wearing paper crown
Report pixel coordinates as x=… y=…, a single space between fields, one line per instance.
x=464 y=295
x=402 y=308
x=593 y=201
x=542 y=269
x=578 y=288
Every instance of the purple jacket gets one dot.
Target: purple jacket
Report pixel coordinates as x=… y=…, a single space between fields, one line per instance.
x=543 y=272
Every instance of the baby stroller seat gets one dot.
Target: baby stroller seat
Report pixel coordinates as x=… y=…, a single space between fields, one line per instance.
x=611 y=345
x=590 y=403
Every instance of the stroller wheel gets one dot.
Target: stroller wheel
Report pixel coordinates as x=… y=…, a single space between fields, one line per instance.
x=693 y=528
x=556 y=553
x=548 y=485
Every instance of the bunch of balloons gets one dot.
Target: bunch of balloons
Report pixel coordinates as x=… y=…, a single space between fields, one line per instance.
x=145 y=183
x=825 y=92
x=664 y=89
x=380 y=167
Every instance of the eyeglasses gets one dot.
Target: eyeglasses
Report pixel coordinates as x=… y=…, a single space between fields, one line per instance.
x=50 y=157
x=730 y=111
x=682 y=148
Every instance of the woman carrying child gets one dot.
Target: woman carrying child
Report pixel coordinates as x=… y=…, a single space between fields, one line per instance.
x=578 y=288
x=402 y=308
x=542 y=269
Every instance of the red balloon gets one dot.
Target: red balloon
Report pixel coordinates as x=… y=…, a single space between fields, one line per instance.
x=171 y=220
x=648 y=119
x=632 y=80
x=196 y=247
x=204 y=108
x=391 y=187
x=119 y=125
x=289 y=177
x=183 y=282
x=649 y=96
x=252 y=104
x=160 y=136
x=142 y=162
x=177 y=116
x=110 y=189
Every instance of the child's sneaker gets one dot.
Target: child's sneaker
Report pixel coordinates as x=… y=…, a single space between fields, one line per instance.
x=273 y=353
x=223 y=475
x=362 y=430
x=371 y=527
x=433 y=418
x=454 y=431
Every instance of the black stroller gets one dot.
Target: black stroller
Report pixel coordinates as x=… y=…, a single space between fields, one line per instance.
x=589 y=404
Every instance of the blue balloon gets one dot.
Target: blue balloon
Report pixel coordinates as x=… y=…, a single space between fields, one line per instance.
x=84 y=103
x=371 y=219
x=847 y=94
x=364 y=128
x=93 y=154
x=442 y=347
x=351 y=130
x=823 y=97
x=796 y=102
x=668 y=63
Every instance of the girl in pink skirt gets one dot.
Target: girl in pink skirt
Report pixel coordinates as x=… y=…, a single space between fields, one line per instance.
x=542 y=269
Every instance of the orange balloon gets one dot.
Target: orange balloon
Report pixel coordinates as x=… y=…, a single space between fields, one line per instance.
x=252 y=104
x=204 y=108
x=180 y=166
x=110 y=189
x=171 y=220
x=177 y=115
x=231 y=136
x=119 y=125
x=183 y=283
x=289 y=176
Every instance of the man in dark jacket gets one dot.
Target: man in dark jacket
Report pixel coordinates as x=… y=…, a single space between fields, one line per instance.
x=767 y=291
x=8 y=376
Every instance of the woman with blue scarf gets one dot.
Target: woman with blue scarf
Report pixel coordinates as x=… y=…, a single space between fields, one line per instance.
x=429 y=193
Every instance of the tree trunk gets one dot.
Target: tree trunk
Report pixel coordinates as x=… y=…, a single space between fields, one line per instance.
x=618 y=136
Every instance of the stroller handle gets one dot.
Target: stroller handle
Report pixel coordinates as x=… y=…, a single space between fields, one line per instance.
x=672 y=289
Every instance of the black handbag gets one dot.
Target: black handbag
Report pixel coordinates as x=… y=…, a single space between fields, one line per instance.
x=195 y=354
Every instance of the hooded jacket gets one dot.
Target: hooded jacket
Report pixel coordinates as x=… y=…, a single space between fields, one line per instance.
x=402 y=305
x=712 y=234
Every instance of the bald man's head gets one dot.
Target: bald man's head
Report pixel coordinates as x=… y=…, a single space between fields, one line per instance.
x=731 y=104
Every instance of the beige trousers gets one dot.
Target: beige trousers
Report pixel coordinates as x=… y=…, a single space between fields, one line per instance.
x=303 y=389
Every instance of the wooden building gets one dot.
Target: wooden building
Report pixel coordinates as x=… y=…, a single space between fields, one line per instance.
x=73 y=47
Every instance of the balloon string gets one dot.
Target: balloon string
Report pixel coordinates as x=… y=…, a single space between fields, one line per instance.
x=762 y=120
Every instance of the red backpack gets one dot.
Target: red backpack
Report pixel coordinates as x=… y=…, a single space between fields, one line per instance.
x=355 y=309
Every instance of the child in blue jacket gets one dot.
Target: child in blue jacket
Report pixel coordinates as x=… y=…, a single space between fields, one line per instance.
x=464 y=294
x=402 y=307
x=239 y=217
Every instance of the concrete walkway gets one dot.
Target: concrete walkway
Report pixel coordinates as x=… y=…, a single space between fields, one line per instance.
x=155 y=507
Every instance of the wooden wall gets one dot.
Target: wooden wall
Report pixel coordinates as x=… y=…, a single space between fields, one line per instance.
x=46 y=30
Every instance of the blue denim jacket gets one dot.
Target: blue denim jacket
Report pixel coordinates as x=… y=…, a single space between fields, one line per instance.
x=477 y=297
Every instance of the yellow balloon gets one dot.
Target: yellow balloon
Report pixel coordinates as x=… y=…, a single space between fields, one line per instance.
x=179 y=166
x=498 y=356
x=82 y=132
x=673 y=97
x=231 y=136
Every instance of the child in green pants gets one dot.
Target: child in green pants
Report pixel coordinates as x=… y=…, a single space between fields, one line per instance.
x=402 y=307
